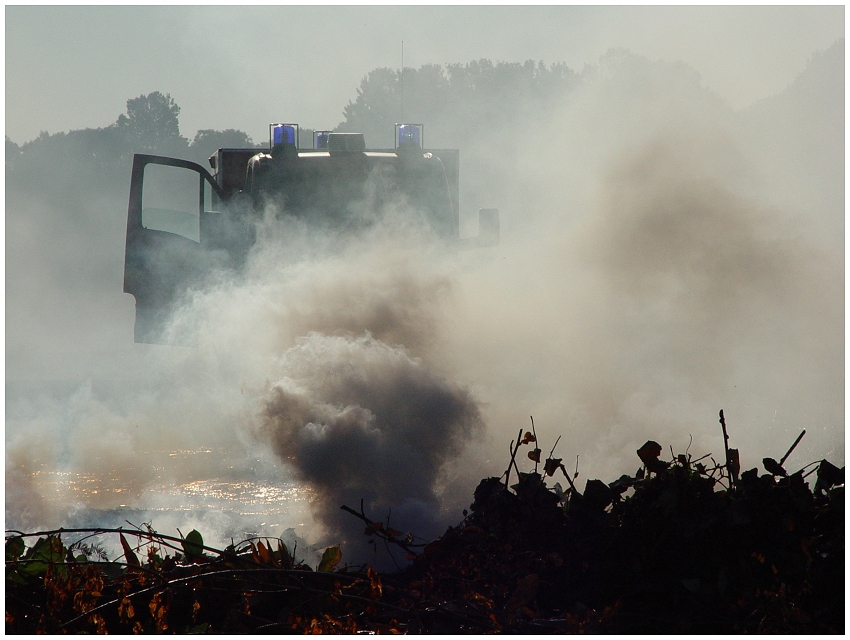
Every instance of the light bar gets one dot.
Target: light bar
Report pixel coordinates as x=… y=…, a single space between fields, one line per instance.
x=320 y=139
x=283 y=134
x=408 y=134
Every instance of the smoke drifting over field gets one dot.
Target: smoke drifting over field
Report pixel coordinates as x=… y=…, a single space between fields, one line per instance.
x=354 y=401
x=660 y=259
x=651 y=254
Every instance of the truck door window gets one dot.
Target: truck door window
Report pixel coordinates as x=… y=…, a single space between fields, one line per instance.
x=171 y=201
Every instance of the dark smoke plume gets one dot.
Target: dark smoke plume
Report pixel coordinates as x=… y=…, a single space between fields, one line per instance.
x=360 y=419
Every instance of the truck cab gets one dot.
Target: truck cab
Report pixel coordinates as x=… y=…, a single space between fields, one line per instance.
x=185 y=223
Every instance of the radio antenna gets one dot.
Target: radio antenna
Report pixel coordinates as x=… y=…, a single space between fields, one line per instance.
x=402 y=81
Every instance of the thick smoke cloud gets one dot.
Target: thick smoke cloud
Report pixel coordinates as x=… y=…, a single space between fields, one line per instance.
x=662 y=257
x=361 y=420
x=649 y=275
x=335 y=336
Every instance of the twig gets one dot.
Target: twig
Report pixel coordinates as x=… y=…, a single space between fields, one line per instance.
x=379 y=530
x=567 y=476
x=554 y=445
x=534 y=433
x=725 y=436
x=793 y=446
x=512 y=463
x=392 y=557
x=808 y=473
x=733 y=476
x=701 y=458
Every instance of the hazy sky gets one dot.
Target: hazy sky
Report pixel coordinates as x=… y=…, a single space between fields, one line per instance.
x=71 y=67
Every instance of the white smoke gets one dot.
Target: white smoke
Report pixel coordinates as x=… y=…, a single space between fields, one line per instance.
x=651 y=272
x=649 y=275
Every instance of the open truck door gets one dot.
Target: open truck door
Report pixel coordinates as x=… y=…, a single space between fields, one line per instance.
x=176 y=237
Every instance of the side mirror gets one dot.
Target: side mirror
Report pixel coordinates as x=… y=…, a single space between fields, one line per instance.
x=488 y=227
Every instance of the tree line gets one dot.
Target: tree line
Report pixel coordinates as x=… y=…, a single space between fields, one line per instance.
x=150 y=125
x=455 y=99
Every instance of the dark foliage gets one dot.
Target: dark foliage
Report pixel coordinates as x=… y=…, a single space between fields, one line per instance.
x=681 y=547
x=207 y=141
x=151 y=124
x=458 y=100
x=97 y=161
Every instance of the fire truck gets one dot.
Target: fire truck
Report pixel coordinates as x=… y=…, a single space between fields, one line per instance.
x=185 y=223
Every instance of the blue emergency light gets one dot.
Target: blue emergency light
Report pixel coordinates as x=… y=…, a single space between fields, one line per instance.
x=408 y=134
x=320 y=139
x=283 y=134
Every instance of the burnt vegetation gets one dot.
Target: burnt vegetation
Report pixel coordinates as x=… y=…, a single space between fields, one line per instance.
x=685 y=545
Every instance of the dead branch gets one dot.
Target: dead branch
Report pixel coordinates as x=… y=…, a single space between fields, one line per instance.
x=378 y=529
x=536 y=443
x=512 y=463
x=554 y=445
x=793 y=446
x=733 y=475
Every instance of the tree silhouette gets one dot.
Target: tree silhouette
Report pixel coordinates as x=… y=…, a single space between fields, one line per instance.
x=13 y=151
x=456 y=102
x=151 y=124
x=207 y=141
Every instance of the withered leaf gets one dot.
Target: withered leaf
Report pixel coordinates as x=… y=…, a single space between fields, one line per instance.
x=622 y=484
x=264 y=552
x=534 y=455
x=657 y=466
x=597 y=495
x=649 y=452
x=330 y=558
x=773 y=467
x=528 y=437
x=132 y=560
x=551 y=466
